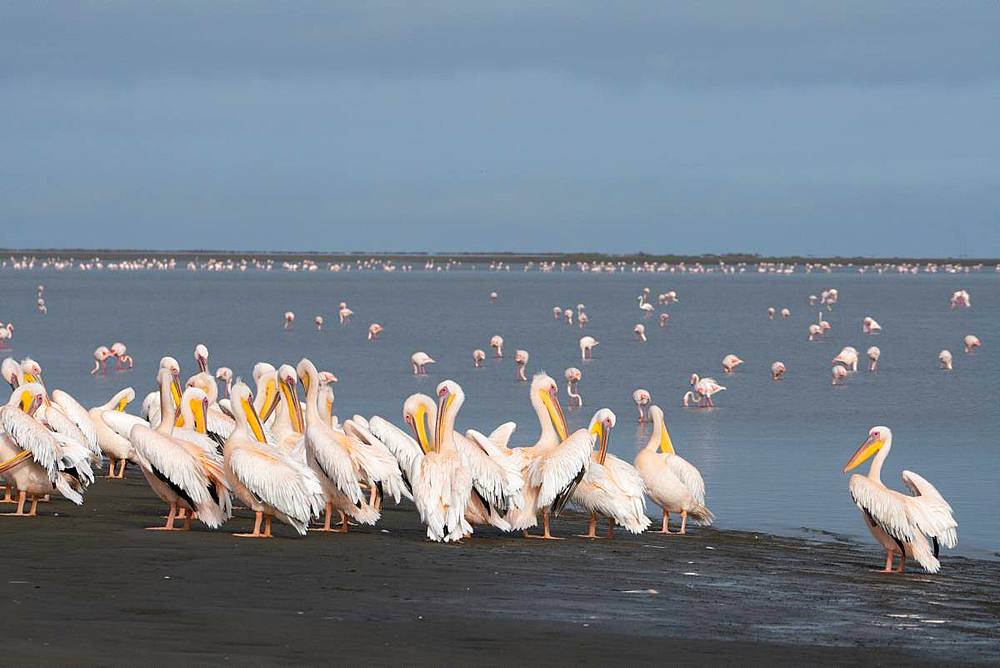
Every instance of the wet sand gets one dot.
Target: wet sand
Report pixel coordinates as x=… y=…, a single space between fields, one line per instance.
x=86 y=585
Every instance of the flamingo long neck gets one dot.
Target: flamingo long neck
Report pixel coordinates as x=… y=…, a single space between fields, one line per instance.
x=548 y=436
x=875 y=472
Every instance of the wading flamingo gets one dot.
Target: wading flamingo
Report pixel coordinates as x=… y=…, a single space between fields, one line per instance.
x=641 y=398
x=101 y=357
x=419 y=360
x=587 y=344
x=873 y=354
x=777 y=370
x=496 y=343
x=478 y=355
x=573 y=376
x=521 y=360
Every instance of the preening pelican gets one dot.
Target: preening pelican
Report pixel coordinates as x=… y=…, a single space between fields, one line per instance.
x=268 y=481
x=642 y=398
x=900 y=523
x=672 y=483
x=113 y=444
x=611 y=487
x=587 y=344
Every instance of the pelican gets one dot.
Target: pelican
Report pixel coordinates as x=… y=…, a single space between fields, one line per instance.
x=705 y=388
x=873 y=354
x=419 y=360
x=478 y=355
x=641 y=398
x=34 y=459
x=182 y=473
x=573 y=376
x=496 y=343
x=944 y=357
x=268 y=481
x=101 y=357
x=116 y=447
x=672 y=483
x=374 y=330
x=901 y=524
x=848 y=356
x=730 y=362
x=554 y=466
x=587 y=344
x=611 y=486
x=521 y=360
x=289 y=319
x=777 y=370
x=329 y=456
x=971 y=343
x=640 y=332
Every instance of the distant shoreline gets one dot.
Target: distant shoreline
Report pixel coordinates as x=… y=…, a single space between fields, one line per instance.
x=509 y=257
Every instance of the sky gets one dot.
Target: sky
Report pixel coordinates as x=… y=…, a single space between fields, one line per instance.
x=817 y=128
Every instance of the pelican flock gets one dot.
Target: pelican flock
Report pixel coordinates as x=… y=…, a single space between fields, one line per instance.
x=274 y=446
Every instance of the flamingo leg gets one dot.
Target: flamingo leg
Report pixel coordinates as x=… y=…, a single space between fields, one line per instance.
x=591 y=528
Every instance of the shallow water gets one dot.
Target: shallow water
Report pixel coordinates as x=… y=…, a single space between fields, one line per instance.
x=771 y=452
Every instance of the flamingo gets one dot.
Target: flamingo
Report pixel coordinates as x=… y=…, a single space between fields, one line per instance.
x=870 y=326
x=873 y=354
x=691 y=399
x=705 y=388
x=101 y=356
x=494 y=296
x=319 y=323
x=582 y=319
x=225 y=375
x=645 y=306
x=420 y=360
x=777 y=370
x=374 y=330
x=478 y=355
x=496 y=342
x=6 y=334
x=785 y=314
x=521 y=359
x=839 y=374
x=664 y=317
x=573 y=376
x=122 y=359
x=971 y=343
x=344 y=313
x=730 y=362
x=289 y=319
x=640 y=332
x=568 y=314
x=770 y=313
x=815 y=331
x=557 y=312
x=641 y=398
x=944 y=357
x=960 y=299
x=848 y=356
x=587 y=344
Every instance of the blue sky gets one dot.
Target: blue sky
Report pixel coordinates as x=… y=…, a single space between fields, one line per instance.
x=774 y=127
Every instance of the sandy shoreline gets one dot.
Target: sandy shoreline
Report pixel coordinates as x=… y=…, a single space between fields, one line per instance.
x=91 y=587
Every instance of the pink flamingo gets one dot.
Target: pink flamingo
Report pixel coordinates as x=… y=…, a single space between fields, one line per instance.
x=971 y=343
x=873 y=354
x=705 y=388
x=777 y=370
x=573 y=376
x=521 y=360
x=730 y=362
x=587 y=344
x=839 y=375
x=289 y=319
x=101 y=356
x=642 y=398
x=496 y=342
x=374 y=330
x=477 y=357
x=640 y=332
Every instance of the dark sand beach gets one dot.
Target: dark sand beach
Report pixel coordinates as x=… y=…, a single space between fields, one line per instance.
x=89 y=586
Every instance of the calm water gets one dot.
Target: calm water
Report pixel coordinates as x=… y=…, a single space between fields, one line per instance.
x=771 y=453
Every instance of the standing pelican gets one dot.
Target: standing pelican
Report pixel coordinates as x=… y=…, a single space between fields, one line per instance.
x=521 y=360
x=873 y=354
x=419 y=361
x=573 y=376
x=673 y=483
x=611 y=486
x=496 y=342
x=477 y=357
x=642 y=398
x=267 y=480
x=900 y=523
x=587 y=344
x=117 y=448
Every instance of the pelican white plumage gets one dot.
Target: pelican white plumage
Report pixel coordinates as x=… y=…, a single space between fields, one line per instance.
x=641 y=398
x=611 y=487
x=115 y=446
x=672 y=483
x=587 y=344
x=901 y=524
x=266 y=479
x=419 y=361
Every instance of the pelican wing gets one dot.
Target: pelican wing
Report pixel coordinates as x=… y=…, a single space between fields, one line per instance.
x=80 y=417
x=279 y=481
x=688 y=475
x=66 y=428
x=151 y=408
x=884 y=506
x=558 y=470
x=442 y=488
x=360 y=420
x=28 y=434
x=500 y=436
x=376 y=461
x=218 y=423
x=171 y=461
x=121 y=423
x=400 y=444
x=334 y=461
x=496 y=476
x=931 y=513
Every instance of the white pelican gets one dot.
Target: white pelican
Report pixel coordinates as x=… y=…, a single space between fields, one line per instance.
x=641 y=398
x=268 y=481
x=555 y=465
x=289 y=319
x=873 y=354
x=777 y=370
x=640 y=332
x=944 y=357
x=611 y=486
x=839 y=374
x=573 y=376
x=730 y=362
x=116 y=447
x=672 y=483
x=101 y=357
x=478 y=355
x=587 y=344
x=521 y=360
x=900 y=523
x=496 y=342
x=705 y=388
x=344 y=313
x=374 y=330
x=11 y=372
x=971 y=343
x=329 y=456
x=181 y=473
x=419 y=360
x=34 y=459
x=848 y=356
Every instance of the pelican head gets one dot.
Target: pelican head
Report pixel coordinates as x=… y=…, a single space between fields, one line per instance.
x=545 y=392
x=450 y=398
x=288 y=383
x=878 y=438
x=201 y=356
x=660 y=425
x=170 y=365
x=28 y=397
x=243 y=410
x=266 y=378
x=419 y=411
x=122 y=399
x=600 y=426
x=11 y=372
x=31 y=371
x=306 y=372
x=194 y=407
